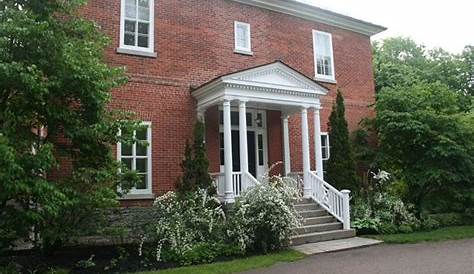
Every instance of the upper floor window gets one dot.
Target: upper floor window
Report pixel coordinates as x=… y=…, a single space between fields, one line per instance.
x=325 y=146
x=323 y=55
x=242 y=38
x=137 y=157
x=137 y=25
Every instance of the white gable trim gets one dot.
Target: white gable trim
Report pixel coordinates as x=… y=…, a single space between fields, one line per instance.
x=275 y=84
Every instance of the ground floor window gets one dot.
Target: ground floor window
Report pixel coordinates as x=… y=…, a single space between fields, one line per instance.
x=137 y=157
x=325 y=145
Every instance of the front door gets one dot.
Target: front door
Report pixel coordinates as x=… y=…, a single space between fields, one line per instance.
x=252 y=167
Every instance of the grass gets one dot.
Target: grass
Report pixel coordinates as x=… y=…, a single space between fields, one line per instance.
x=235 y=266
x=442 y=234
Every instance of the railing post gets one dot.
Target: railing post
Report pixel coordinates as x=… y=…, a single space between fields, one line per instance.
x=346 y=209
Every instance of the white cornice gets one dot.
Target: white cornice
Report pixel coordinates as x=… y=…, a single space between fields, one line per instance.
x=313 y=13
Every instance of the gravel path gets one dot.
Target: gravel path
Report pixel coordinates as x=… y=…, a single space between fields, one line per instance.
x=442 y=257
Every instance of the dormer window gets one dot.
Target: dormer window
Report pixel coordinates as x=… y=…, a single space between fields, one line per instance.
x=242 y=38
x=323 y=56
x=137 y=27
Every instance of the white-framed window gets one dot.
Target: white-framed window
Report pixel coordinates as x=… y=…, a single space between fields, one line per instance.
x=137 y=157
x=137 y=25
x=242 y=40
x=323 y=55
x=326 y=148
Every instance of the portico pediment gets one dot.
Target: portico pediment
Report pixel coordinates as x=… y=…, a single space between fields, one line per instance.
x=275 y=83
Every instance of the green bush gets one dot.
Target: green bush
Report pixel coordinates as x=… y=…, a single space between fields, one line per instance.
x=428 y=223
x=448 y=219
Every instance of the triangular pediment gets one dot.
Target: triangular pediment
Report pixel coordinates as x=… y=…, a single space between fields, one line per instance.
x=276 y=74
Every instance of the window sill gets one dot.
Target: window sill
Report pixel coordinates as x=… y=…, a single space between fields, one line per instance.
x=137 y=52
x=132 y=196
x=325 y=80
x=243 y=52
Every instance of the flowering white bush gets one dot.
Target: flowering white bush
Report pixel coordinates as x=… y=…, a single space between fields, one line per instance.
x=185 y=222
x=264 y=217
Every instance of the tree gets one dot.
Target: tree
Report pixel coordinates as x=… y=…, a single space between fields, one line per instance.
x=54 y=92
x=400 y=61
x=428 y=139
x=340 y=168
x=195 y=165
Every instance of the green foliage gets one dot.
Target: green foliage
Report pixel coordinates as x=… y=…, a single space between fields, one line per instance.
x=427 y=137
x=53 y=106
x=340 y=168
x=442 y=234
x=195 y=165
x=401 y=62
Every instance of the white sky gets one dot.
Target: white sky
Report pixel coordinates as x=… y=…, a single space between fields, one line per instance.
x=436 y=23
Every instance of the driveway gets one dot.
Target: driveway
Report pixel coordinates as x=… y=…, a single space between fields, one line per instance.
x=442 y=257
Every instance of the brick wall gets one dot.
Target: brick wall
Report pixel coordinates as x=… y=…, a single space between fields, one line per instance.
x=194 y=43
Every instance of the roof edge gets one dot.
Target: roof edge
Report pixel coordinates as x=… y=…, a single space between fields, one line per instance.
x=313 y=13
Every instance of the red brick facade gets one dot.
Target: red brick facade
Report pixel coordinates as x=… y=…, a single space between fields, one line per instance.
x=194 y=42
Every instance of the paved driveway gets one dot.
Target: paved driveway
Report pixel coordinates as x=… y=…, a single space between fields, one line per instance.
x=443 y=257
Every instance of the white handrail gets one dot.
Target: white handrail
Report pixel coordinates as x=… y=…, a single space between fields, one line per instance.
x=328 y=197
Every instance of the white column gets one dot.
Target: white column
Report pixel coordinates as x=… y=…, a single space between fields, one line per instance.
x=286 y=145
x=305 y=146
x=229 y=188
x=318 y=151
x=244 y=166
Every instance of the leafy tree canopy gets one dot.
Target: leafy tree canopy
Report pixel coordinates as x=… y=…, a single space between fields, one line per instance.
x=54 y=92
x=401 y=62
x=427 y=136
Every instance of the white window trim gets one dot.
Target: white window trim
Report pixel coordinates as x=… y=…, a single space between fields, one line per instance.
x=136 y=50
x=322 y=77
x=149 y=189
x=328 y=152
x=238 y=49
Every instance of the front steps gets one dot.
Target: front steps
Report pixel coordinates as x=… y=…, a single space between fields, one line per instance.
x=318 y=225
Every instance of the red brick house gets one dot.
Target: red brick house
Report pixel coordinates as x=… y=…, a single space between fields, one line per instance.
x=272 y=67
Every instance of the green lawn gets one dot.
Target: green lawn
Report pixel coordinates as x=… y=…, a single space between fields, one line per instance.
x=442 y=234
x=236 y=266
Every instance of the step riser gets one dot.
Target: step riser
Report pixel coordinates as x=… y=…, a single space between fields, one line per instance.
x=304 y=201
x=323 y=237
x=319 y=228
x=315 y=213
x=306 y=207
x=319 y=220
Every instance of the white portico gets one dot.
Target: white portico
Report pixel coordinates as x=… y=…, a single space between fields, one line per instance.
x=274 y=86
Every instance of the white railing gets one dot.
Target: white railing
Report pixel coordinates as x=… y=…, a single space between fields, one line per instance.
x=334 y=201
x=240 y=182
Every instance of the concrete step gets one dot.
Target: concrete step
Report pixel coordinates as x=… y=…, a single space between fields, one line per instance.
x=322 y=236
x=306 y=207
x=319 y=220
x=313 y=213
x=319 y=228
x=304 y=201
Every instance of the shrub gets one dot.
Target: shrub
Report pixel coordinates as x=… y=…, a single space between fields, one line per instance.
x=264 y=217
x=429 y=223
x=448 y=219
x=187 y=228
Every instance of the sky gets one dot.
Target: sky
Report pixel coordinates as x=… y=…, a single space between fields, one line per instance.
x=448 y=24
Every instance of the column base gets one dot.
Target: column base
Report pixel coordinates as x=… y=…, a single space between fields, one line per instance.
x=229 y=198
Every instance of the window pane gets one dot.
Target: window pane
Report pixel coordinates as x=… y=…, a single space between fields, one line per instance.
x=142 y=134
x=144 y=13
x=143 y=3
x=143 y=41
x=142 y=184
x=127 y=162
x=323 y=45
x=221 y=141
x=143 y=28
x=129 y=26
x=221 y=117
x=129 y=39
x=141 y=150
x=260 y=157
x=141 y=165
x=222 y=156
x=126 y=149
x=130 y=9
x=241 y=36
x=249 y=119
x=260 y=141
x=259 y=120
x=234 y=118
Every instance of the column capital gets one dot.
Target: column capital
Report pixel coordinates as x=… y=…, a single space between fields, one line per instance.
x=243 y=101
x=226 y=102
x=304 y=109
